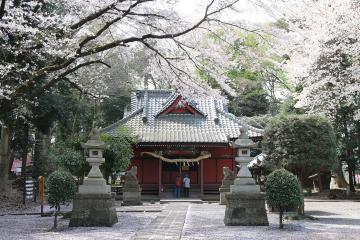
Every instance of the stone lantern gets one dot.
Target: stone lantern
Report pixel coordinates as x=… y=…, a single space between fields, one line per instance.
x=94 y=205
x=94 y=147
x=245 y=204
x=244 y=177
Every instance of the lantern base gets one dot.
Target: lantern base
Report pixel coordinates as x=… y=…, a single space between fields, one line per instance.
x=94 y=186
x=245 y=209
x=93 y=210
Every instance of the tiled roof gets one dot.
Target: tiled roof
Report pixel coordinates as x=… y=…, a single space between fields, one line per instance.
x=215 y=126
x=258 y=161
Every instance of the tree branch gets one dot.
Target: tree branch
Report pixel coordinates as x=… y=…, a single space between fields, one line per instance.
x=2 y=8
x=108 y=24
x=256 y=31
x=53 y=81
x=172 y=66
x=95 y=15
x=80 y=89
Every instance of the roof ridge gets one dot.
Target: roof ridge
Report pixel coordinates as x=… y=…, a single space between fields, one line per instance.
x=154 y=91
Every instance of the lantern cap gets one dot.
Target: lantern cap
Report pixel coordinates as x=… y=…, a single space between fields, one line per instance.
x=94 y=141
x=243 y=140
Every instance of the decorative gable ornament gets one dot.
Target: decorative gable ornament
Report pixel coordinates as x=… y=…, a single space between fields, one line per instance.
x=179 y=105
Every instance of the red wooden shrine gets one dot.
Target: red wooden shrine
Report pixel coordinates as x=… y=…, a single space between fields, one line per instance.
x=179 y=136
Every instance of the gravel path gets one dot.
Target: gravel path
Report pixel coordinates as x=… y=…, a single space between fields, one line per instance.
x=337 y=220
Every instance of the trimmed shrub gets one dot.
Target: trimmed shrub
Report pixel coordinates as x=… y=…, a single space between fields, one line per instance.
x=283 y=191
x=300 y=142
x=61 y=188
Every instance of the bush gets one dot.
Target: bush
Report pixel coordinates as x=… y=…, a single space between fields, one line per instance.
x=61 y=189
x=300 y=142
x=282 y=191
x=68 y=159
x=119 y=152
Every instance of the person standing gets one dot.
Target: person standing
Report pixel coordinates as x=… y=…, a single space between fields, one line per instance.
x=177 y=186
x=186 y=182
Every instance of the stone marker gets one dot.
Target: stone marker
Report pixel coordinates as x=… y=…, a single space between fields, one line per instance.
x=131 y=189
x=94 y=205
x=245 y=204
x=225 y=185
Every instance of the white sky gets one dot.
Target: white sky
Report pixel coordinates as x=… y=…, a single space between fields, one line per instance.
x=246 y=10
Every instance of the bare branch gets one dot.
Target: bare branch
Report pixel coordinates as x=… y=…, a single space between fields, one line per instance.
x=147 y=15
x=256 y=31
x=217 y=35
x=95 y=15
x=155 y=36
x=108 y=24
x=80 y=89
x=181 y=46
x=222 y=8
x=172 y=66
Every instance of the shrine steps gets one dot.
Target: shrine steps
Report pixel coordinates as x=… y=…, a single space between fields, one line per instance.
x=179 y=200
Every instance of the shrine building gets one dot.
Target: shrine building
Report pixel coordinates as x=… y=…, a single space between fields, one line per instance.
x=178 y=136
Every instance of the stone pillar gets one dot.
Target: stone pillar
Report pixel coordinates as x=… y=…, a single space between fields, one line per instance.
x=245 y=204
x=131 y=189
x=94 y=205
x=225 y=185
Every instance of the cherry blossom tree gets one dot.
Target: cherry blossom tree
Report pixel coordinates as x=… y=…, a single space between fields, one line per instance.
x=44 y=42
x=64 y=36
x=321 y=40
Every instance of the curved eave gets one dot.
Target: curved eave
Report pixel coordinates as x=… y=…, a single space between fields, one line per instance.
x=122 y=121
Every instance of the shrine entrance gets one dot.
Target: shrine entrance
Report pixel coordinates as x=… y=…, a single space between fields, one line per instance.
x=171 y=170
x=173 y=163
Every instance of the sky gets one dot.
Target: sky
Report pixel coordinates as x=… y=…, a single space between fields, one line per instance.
x=245 y=10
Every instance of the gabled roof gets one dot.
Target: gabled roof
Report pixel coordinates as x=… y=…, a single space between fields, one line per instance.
x=152 y=121
x=178 y=104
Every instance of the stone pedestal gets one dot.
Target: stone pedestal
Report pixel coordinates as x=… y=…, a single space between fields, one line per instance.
x=245 y=205
x=93 y=210
x=131 y=189
x=225 y=186
x=245 y=209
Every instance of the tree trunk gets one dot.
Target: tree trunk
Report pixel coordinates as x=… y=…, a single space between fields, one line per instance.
x=301 y=208
x=339 y=177
x=281 y=224
x=56 y=215
x=351 y=177
x=348 y=153
x=11 y=160
x=4 y=159
x=354 y=176
x=24 y=155
x=42 y=145
x=24 y=152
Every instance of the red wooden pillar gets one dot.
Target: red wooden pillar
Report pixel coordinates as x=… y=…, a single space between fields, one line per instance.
x=234 y=154
x=202 y=178
x=160 y=174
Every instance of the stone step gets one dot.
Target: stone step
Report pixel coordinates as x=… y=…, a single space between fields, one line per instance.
x=179 y=200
